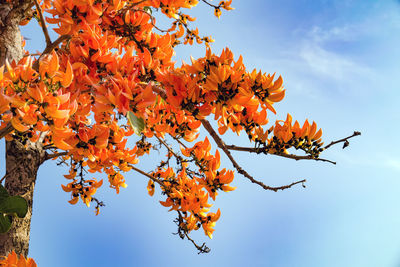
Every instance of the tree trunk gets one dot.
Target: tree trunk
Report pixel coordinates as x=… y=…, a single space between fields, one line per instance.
x=22 y=165
x=22 y=162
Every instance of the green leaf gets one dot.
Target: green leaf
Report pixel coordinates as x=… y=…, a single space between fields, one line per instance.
x=5 y=223
x=14 y=205
x=3 y=193
x=148 y=10
x=136 y=122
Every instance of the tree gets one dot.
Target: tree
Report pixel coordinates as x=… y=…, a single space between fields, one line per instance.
x=109 y=75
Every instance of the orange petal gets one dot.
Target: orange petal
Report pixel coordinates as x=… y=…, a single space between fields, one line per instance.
x=68 y=76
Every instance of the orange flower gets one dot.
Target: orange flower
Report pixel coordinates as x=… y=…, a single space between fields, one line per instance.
x=12 y=260
x=150 y=187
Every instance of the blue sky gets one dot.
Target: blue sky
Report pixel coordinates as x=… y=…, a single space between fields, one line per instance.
x=340 y=61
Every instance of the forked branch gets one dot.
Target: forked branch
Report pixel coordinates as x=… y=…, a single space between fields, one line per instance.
x=293 y=156
x=345 y=140
x=240 y=170
x=290 y=156
x=183 y=233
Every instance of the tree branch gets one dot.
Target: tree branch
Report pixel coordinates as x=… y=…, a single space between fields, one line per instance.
x=222 y=145
x=167 y=146
x=202 y=249
x=290 y=156
x=179 y=141
x=345 y=140
x=55 y=155
x=146 y=174
x=152 y=19
x=43 y=23
x=240 y=170
x=50 y=48
x=214 y=6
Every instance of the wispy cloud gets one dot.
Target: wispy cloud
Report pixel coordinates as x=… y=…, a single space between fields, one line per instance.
x=341 y=56
x=342 y=33
x=321 y=63
x=330 y=64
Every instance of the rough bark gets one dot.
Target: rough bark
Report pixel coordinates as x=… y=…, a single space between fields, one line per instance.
x=22 y=165
x=22 y=162
x=10 y=36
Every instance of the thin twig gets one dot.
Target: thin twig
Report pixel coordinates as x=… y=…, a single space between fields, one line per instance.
x=55 y=155
x=203 y=248
x=240 y=170
x=290 y=156
x=179 y=141
x=297 y=157
x=146 y=174
x=167 y=146
x=32 y=55
x=50 y=146
x=43 y=23
x=214 y=6
x=152 y=18
x=356 y=133
x=54 y=44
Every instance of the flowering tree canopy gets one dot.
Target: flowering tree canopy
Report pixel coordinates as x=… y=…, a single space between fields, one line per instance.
x=110 y=74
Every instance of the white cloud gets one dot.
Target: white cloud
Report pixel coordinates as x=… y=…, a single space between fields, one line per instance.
x=343 y=33
x=331 y=64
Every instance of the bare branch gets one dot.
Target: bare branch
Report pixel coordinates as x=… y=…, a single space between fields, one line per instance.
x=146 y=174
x=152 y=18
x=214 y=6
x=290 y=156
x=345 y=140
x=43 y=23
x=202 y=249
x=167 y=146
x=240 y=170
x=55 y=155
x=54 y=44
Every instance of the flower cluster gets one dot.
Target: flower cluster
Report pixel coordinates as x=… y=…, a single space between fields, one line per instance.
x=286 y=134
x=12 y=259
